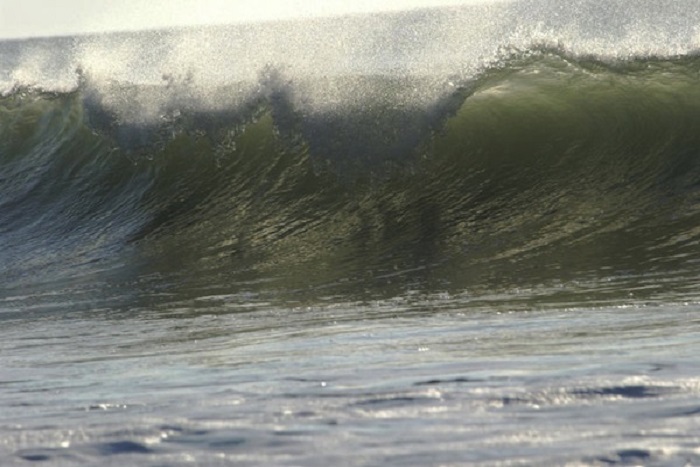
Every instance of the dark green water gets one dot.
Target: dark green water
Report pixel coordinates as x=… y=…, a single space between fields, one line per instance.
x=544 y=173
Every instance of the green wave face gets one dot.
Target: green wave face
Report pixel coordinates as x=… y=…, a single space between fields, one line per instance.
x=545 y=172
x=569 y=179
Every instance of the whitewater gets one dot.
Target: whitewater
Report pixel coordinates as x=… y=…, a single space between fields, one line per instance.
x=462 y=235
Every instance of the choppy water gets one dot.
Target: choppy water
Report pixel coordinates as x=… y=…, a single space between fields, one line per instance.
x=447 y=236
x=388 y=383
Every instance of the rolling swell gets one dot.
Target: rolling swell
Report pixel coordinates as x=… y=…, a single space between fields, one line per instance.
x=573 y=179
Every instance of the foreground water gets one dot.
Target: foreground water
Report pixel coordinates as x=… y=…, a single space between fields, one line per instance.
x=413 y=381
x=448 y=236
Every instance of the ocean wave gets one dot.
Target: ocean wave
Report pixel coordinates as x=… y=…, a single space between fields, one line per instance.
x=499 y=147
x=545 y=168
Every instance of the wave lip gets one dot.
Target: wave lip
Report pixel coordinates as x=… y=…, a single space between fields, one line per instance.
x=455 y=42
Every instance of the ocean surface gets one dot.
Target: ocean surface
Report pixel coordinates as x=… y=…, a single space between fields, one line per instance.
x=450 y=236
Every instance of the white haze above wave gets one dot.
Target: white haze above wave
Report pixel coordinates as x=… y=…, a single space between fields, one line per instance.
x=41 y=18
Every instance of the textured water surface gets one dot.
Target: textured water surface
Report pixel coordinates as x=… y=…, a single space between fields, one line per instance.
x=354 y=384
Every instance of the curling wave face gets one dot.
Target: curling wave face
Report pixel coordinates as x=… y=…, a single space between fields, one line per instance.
x=559 y=165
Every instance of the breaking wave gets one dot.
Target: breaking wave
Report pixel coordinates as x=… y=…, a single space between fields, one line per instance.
x=546 y=167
